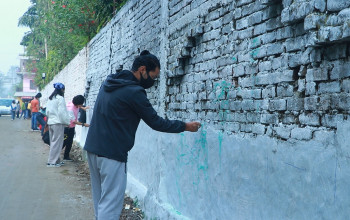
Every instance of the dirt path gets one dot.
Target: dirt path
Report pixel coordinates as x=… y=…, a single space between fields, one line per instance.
x=30 y=190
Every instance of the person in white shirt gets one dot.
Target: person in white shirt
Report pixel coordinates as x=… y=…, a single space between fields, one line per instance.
x=58 y=118
x=13 y=110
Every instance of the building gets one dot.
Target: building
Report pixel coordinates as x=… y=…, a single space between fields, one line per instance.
x=29 y=89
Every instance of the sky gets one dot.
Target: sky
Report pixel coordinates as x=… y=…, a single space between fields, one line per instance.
x=10 y=34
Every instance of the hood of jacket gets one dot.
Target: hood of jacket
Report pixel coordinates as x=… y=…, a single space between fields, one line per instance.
x=118 y=80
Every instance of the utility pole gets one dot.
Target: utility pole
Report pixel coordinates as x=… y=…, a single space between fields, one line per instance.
x=45 y=48
x=114 y=8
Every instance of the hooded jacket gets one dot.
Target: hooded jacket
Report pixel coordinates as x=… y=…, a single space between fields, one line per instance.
x=56 y=111
x=120 y=105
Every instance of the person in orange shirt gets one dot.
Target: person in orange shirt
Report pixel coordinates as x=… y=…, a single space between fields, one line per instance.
x=35 y=106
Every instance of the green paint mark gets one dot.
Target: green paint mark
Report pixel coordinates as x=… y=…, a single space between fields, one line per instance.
x=221 y=137
x=255 y=42
x=179 y=172
x=253 y=55
x=191 y=161
x=257 y=107
x=202 y=168
x=224 y=104
x=254 y=79
x=223 y=88
x=223 y=115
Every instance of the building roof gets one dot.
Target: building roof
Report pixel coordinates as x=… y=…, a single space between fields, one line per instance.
x=25 y=94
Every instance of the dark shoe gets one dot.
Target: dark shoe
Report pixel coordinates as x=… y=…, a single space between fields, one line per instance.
x=67 y=159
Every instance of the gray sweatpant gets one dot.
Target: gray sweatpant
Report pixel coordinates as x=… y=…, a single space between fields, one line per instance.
x=108 y=182
x=56 y=142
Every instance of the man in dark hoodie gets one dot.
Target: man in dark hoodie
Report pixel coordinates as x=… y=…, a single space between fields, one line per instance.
x=121 y=103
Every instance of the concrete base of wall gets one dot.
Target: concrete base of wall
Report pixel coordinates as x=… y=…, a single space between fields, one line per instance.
x=212 y=175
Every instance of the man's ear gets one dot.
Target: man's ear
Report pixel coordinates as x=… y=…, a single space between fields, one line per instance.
x=142 y=69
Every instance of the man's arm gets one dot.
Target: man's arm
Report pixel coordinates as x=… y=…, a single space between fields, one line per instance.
x=85 y=108
x=144 y=109
x=81 y=123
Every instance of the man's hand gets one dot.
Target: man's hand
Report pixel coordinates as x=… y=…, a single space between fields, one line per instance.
x=192 y=126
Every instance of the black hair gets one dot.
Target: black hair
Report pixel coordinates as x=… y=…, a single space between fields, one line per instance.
x=56 y=92
x=14 y=102
x=38 y=96
x=146 y=59
x=145 y=52
x=78 y=100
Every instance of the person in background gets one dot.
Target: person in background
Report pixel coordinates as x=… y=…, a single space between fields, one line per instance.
x=18 y=108
x=46 y=135
x=58 y=118
x=73 y=108
x=120 y=105
x=24 y=110
x=29 y=107
x=35 y=109
x=27 y=110
x=13 y=110
x=40 y=117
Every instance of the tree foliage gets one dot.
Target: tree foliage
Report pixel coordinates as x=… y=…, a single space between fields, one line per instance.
x=59 y=29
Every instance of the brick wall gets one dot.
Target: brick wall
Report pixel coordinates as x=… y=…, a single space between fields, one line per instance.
x=264 y=66
x=260 y=65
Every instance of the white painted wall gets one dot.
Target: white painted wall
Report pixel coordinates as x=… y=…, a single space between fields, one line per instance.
x=212 y=175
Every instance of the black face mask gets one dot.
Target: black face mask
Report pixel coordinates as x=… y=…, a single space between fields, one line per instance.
x=146 y=83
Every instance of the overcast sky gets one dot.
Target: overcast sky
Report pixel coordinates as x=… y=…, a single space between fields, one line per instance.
x=10 y=34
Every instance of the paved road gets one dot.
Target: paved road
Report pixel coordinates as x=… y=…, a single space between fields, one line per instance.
x=31 y=191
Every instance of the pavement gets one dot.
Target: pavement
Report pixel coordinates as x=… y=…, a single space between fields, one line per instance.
x=31 y=191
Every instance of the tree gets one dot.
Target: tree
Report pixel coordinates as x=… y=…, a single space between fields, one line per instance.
x=60 y=29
